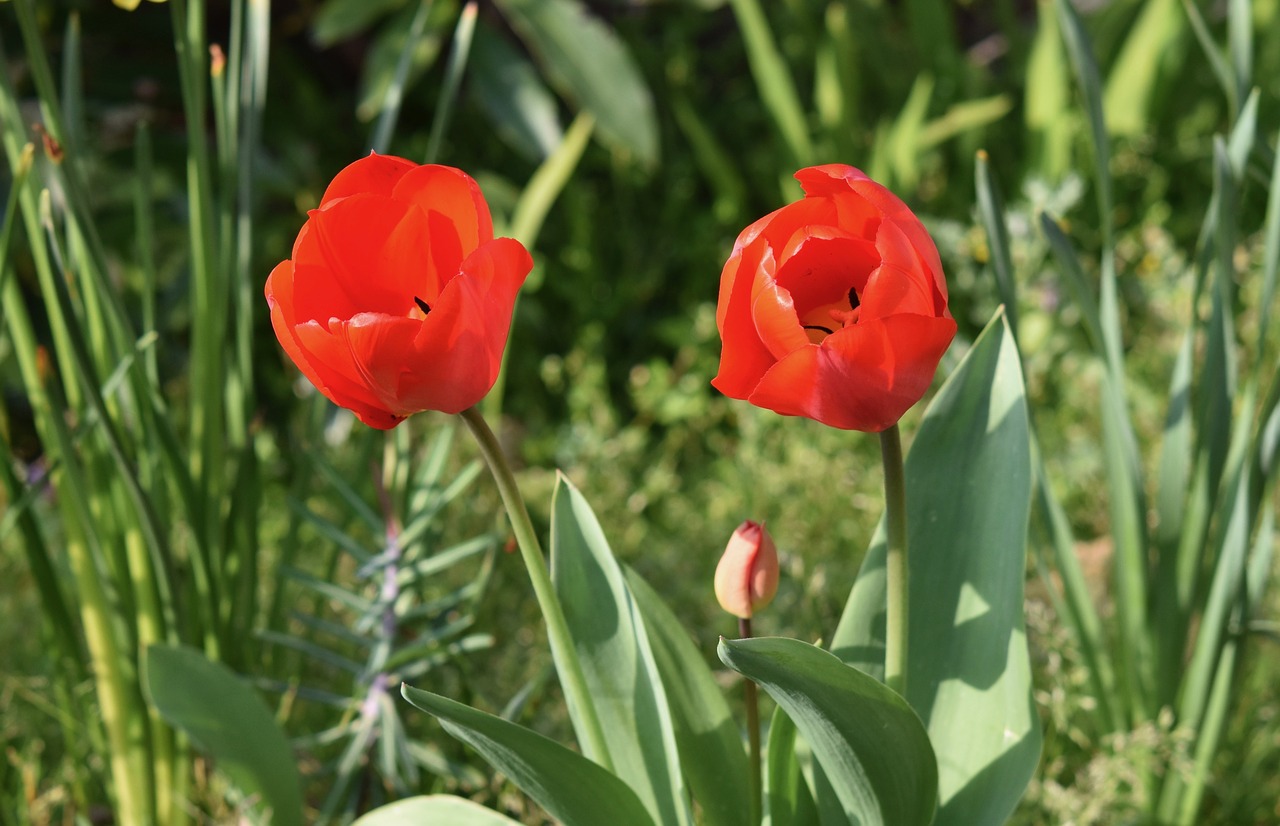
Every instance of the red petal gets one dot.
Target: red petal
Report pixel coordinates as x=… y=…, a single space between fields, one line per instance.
x=861 y=378
x=365 y=253
x=458 y=349
x=449 y=196
x=828 y=179
x=743 y=357
x=279 y=292
x=373 y=175
x=330 y=355
x=896 y=211
x=821 y=264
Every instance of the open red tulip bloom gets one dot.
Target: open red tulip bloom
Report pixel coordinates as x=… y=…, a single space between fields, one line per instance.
x=834 y=307
x=398 y=298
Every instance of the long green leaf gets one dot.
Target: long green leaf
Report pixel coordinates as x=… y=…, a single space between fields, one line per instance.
x=788 y=800
x=613 y=646
x=591 y=66
x=991 y=211
x=224 y=718
x=508 y=89
x=777 y=89
x=968 y=480
x=710 y=745
x=1152 y=47
x=872 y=746
x=573 y=790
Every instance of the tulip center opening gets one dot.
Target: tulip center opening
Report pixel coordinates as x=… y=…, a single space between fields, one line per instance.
x=824 y=320
x=422 y=305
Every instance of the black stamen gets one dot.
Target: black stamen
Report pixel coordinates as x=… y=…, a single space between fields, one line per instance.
x=818 y=327
x=422 y=305
x=853 y=299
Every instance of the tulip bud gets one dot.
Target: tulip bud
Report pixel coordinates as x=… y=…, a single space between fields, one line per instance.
x=747 y=576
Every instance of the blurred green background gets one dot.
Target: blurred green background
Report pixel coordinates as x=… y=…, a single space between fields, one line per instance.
x=702 y=111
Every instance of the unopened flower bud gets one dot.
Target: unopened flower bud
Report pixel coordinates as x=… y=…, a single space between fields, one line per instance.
x=747 y=576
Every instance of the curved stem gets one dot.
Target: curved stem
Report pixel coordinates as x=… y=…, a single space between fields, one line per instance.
x=896 y=568
x=569 y=668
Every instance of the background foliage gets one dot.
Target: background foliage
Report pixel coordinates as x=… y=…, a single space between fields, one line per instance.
x=704 y=113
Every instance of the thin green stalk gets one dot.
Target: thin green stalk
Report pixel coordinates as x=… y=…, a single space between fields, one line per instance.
x=751 y=696
x=208 y=306
x=896 y=567
x=462 y=37
x=390 y=111
x=546 y=184
x=572 y=679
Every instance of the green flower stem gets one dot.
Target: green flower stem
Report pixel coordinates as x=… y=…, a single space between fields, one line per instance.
x=572 y=678
x=896 y=568
x=751 y=695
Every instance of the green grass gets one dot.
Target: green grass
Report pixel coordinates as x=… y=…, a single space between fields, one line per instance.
x=615 y=345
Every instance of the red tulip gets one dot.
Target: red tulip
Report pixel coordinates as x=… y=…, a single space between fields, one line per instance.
x=398 y=298
x=834 y=307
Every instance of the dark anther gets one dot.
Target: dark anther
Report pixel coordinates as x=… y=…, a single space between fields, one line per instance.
x=853 y=299
x=422 y=305
x=818 y=327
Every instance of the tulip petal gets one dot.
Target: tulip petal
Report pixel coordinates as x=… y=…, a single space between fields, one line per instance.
x=743 y=356
x=344 y=245
x=774 y=313
x=896 y=211
x=458 y=350
x=371 y=175
x=330 y=355
x=341 y=387
x=835 y=180
x=382 y=352
x=821 y=264
x=449 y=196
x=863 y=377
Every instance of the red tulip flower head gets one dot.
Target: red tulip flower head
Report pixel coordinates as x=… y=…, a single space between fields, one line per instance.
x=398 y=298
x=834 y=307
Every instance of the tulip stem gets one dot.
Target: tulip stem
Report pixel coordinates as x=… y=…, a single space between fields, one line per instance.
x=751 y=695
x=896 y=567
x=572 y=679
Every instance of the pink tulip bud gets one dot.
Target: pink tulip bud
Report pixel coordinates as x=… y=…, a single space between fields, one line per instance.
x=747 y=576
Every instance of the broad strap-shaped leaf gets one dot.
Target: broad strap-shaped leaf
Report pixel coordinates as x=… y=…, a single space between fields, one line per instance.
x=226 y=720
x=872 y=747
x=507 y=87
x=573 y=790
x=434 y=810
x=708 y=738
x=591 y=66
x=968 y=480
x=787 y=799
x=612 y=644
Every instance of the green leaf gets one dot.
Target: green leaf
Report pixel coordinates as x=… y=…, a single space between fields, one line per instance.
x=871 y=745
x=340 y=19
x=968 y=480
x=1153 y=47
x=573 y=790
x=508 y=88
x=591 y=66
x=991 y=211
x=788 y=800
x=397 y=59
x=436 y=810
x=773 y=79
x=709 y=741
x=226 y=720
x=613 y=646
